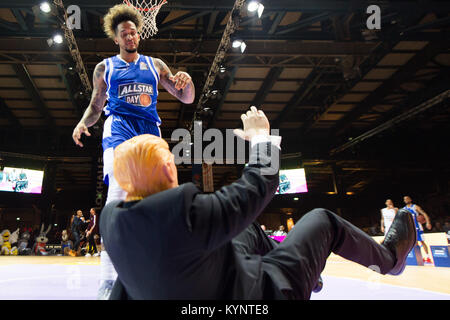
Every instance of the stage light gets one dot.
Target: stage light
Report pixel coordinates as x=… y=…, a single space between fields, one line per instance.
x=253 y=6
x=222 y=69
x=260 y=10
x=295 y=199
x=55 y=224
x=18 y=219
x=243 y=46
x=237 y=43
x=45 y=7
x=57 y=38
x=256 y=6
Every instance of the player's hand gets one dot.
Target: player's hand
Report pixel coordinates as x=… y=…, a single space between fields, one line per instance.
x=428 y=225
x=255 y=123
x=181 y=80
x=382 y=229
x=78 y=131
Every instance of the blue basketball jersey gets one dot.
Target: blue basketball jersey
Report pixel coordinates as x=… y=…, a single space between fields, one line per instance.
x=132 y=88
x=419 y=228
x=414 y=213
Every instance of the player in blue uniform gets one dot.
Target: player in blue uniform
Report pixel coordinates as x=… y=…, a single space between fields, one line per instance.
x=415 y=210
x=128 y=83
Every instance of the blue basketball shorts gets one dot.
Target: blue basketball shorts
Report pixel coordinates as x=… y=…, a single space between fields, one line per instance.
x=118 y=129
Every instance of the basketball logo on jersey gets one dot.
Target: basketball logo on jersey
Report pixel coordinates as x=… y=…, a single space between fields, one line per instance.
x=143 y=66
x=138 y=94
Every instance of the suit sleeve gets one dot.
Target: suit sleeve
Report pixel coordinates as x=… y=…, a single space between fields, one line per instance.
x=216 y=218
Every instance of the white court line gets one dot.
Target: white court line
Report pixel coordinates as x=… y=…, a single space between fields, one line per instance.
x=391 y=285
x=44 y=277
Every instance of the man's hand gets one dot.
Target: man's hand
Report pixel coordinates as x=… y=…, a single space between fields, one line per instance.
x=78 y=131
x=181 y=80
x=382 y=229
x=255 y=123
x=428 y=225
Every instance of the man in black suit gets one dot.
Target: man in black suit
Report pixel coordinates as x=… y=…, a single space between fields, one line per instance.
x=172 y=242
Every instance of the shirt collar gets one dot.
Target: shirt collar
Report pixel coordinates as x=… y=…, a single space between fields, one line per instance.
x=127 y=63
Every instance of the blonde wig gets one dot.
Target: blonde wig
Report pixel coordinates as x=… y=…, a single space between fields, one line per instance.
x=138 y=166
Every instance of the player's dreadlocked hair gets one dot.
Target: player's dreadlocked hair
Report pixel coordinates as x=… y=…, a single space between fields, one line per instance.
x=118 y=14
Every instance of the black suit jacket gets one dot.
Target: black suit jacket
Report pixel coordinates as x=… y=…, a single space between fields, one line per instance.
x=176 y=244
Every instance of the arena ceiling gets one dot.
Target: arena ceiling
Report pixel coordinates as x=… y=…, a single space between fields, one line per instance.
x=319 y=74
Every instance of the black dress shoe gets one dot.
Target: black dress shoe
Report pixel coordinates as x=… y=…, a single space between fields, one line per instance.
x=400 y=239
x=319 y=285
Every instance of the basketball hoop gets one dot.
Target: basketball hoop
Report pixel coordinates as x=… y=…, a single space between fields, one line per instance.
x=149 y=9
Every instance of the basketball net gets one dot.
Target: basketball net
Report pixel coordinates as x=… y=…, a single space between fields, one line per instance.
x=149 y=9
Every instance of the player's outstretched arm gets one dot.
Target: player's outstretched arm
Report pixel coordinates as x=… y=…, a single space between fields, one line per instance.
x=94 y=110
x=179 y=85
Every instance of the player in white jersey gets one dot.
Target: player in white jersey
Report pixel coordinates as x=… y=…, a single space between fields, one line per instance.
x=387 y=216
x=129 y=84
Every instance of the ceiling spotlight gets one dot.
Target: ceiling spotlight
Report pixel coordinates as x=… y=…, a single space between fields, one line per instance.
x=243 y=46
x=256 y=6
x=18 y=219
x=238 y=43
x=45 y=7
x=57 y=38
x=253 y=6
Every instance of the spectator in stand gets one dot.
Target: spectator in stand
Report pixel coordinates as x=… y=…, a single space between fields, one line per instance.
x=280 y=232
x=437 y=227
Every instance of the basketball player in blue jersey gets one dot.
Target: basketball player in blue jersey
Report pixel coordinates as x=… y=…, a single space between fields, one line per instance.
x=128 y=83
x=415 y=210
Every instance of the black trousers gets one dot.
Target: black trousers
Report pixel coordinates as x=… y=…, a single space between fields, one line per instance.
x=76 y=237
x=92 y=246
x=302 y=256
